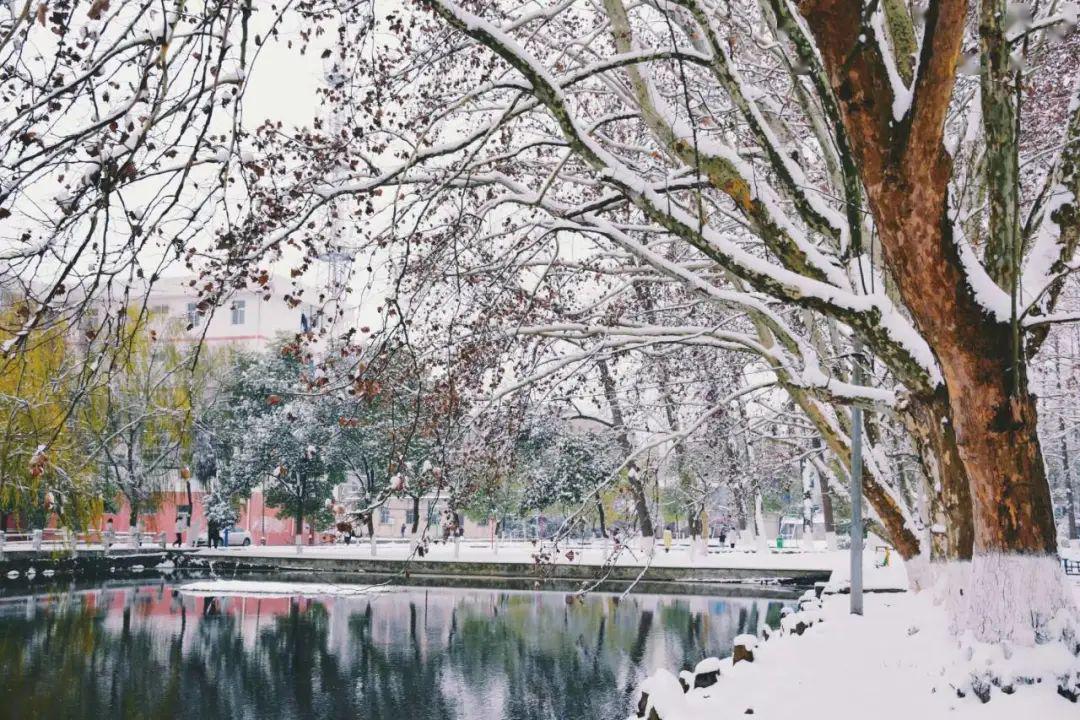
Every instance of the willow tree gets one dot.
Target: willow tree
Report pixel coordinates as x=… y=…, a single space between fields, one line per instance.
x=43 y=464
x=137 y=419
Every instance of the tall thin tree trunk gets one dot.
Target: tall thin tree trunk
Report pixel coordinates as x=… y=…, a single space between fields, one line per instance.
x=827 y=509
x=637 y=487
x=1066 y=466
x=1070 y=503
x=301 y=497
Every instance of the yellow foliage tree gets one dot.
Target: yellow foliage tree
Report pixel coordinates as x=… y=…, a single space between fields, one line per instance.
x=42 y=468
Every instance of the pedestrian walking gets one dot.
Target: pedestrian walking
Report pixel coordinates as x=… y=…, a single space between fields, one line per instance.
x=181 y=525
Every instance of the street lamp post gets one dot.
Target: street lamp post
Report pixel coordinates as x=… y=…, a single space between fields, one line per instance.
x=856 y=493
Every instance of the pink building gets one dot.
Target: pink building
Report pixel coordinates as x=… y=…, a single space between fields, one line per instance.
x=263 y=523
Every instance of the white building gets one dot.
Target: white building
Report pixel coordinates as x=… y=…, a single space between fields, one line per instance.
x=245 y=320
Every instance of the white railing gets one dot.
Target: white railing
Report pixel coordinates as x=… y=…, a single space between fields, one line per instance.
x=64 y=539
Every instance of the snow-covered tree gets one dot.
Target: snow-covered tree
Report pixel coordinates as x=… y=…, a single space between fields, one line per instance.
x=569 y=467
x=138 y=421
x=836 y=189
x=270 y=428
x=805 y=168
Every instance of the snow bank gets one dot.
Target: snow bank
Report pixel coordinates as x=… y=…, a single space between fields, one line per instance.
x=276 y=589
x=896 y=662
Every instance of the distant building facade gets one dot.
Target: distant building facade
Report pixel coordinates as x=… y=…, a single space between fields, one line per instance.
x=248 y=319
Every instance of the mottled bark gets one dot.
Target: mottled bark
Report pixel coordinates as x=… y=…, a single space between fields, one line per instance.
x=906 y=172
x=1000 y=156
x=928 y=422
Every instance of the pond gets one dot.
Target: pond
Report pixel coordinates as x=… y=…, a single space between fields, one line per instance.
x=150 y=650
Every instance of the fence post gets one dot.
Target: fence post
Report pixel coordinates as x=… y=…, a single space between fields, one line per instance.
x=70 y=539
x=110 y=536
x=163 y=540
x=3 y=541
x=36 y=539
x=299 y=544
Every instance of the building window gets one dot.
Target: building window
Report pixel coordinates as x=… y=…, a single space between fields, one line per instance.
x=410 y=517
x=193 y=315
x=238 y=307
x=160 y=311
x=384 y=515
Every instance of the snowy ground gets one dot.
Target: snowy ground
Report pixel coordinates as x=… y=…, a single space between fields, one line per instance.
x=214 y=588
x=525 y=552
x=896 y=662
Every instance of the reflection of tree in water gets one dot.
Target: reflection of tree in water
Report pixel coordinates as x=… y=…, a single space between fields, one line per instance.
x=417 y=655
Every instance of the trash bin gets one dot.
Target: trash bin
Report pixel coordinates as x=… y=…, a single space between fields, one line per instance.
x=779 y=542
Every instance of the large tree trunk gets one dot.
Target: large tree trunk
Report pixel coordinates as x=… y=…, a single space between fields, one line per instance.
x=999 y=444
x=906 y=171
x=1015 y=584
x=952 y=526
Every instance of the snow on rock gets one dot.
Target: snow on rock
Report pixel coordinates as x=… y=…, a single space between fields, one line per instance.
x=661 y=691
x=743 y=648
x=707 y=672
x=276 y=589
x=745 y=640
x=707 y=665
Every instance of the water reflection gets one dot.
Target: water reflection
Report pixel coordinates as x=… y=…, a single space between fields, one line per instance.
x=151 y=652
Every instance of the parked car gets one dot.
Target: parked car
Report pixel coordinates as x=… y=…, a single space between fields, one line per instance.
x=237 y=536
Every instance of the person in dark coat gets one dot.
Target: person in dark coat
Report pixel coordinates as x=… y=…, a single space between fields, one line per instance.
x=213 y=534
